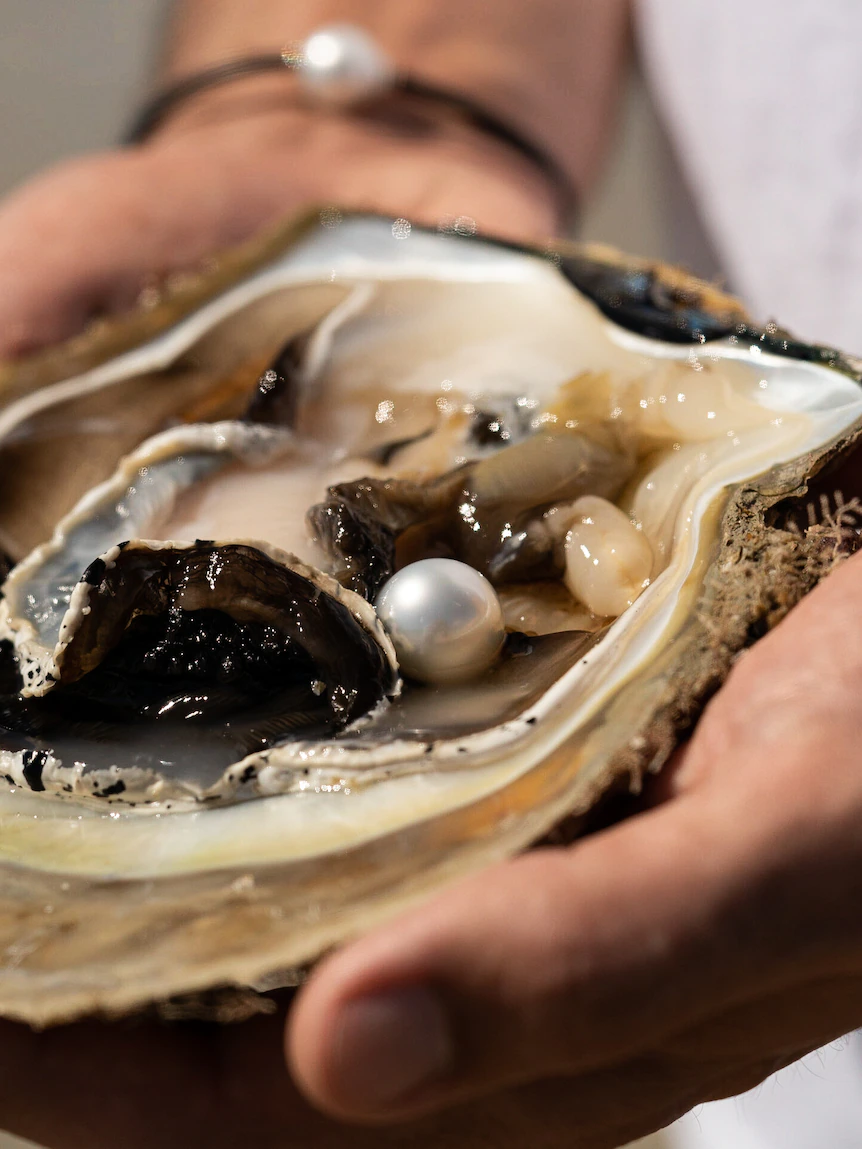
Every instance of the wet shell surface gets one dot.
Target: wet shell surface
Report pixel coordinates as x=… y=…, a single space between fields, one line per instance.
x=205 y=738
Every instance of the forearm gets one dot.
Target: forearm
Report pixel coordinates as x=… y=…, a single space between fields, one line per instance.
x=237 y=158
x=550 y=66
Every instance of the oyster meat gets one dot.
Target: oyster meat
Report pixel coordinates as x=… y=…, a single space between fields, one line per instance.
x=204 y=734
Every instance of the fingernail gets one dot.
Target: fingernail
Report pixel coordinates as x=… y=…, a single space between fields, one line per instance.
x=390 y=1045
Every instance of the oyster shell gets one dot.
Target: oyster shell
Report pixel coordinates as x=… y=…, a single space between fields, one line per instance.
x=434 y=394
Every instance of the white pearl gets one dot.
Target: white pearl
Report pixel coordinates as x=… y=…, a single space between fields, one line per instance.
x=444 y=619
x=342 y=65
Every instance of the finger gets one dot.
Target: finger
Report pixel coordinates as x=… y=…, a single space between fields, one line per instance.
x=798 y=687
x=85 y=239
x=92 y=1085
x=66 y=246
x=134 y=1085
x=559 y=962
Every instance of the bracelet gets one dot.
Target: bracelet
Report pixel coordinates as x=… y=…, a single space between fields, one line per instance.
x=341 y=68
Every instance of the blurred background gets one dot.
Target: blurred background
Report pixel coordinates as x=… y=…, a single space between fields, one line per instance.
x=70 y=76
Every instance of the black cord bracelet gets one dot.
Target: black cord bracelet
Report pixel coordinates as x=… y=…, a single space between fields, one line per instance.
x=342 y=68
x=152 y=114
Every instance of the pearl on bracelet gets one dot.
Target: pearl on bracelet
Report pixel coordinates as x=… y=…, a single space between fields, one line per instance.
x=342 y=65
x=444 y=619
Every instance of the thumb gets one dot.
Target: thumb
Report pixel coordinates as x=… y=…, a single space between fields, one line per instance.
x=561 y=962
x=84 y=239
x=66 y=240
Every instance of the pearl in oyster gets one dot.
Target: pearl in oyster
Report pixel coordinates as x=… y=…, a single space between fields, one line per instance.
x=342 y=65
x=444 y=619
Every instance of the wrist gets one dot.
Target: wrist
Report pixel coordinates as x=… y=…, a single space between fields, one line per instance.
x=550 y=70
x=399 y=161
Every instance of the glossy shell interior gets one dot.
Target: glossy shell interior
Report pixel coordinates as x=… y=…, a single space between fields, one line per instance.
x=344 y=831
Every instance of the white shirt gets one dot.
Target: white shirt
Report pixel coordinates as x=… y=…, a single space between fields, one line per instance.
x=763 y=101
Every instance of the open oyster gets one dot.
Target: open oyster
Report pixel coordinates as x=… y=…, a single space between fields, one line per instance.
x=213 y=768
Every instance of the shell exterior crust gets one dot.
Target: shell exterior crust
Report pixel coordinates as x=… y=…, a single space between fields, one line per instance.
x=80 y=885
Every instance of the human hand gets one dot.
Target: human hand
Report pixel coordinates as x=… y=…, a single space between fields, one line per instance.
x=683 y=955
x=576 y=996
x=147 y=1085
x=594 y=992
x=84 y=239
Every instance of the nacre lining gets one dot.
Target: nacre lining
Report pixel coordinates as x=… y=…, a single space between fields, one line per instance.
x=506 y=323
